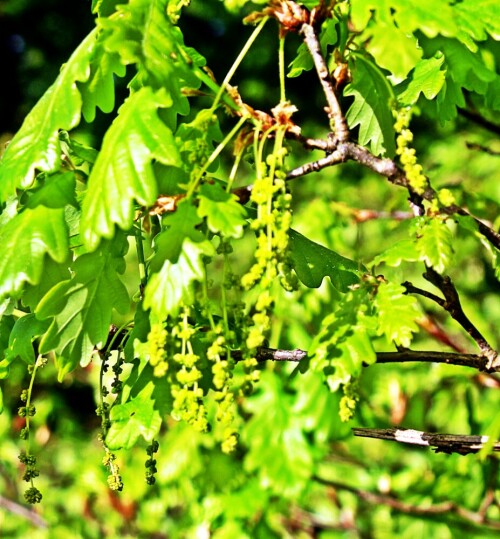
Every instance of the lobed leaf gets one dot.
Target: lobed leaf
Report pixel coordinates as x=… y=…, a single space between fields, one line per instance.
x=427 y=78
x=36 y=146
x=123 y=171
x=397 y=313
x=371 y=109
x=21 y=338
x=225 y=215
x=139 y=416
x=25 y=240
x=435 y=243
x=172 y=284
x=80 y=308
x=312 y=263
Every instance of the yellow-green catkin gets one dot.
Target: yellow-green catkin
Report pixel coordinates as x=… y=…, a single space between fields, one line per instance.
x=407 y=154
x=272 y=226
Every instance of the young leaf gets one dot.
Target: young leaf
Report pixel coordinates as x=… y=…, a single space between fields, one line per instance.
x=139 y=416
x=144 y=35
x=426 y=78
x=303 y=61
x=224 y=214
x=272 y=412
x=404 y=250
x=25 y=240
x=173 y=282
x=382 y=39
x=371 y=109
x=123 y=172
x=21 y=338
x=396 y=313
x=313 y=262
x=99 y=90
x=80 y=308
x=36 y=145
x=435 y=243
x=179 y=225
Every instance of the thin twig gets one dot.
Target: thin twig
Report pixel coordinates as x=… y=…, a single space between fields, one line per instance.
x=24 y=512
x=441 y=443
x=444 y=508
x=453 y=306
x=474 y=361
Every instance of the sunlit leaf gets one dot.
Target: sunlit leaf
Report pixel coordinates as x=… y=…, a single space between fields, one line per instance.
x=36 y=146
x=25 y=241
x=80 y=308
x=371 y=110
x=123 y=172
x=426 y=78
x=397 y=314
x=223 y=211
x=172 y=284
x=435 y=243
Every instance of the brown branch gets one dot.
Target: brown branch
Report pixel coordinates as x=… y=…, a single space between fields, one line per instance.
x=480 y=120
x=334 y=110
x=452 y=304
x=24 y=512
x=474 y=361
x=444 y=508
x=441 y=443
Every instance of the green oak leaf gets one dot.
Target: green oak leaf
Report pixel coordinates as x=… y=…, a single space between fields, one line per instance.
x=371 y=109
x=144 y=35
x=25 y=330
x=383 y=38
x=272 y=412
x=123 y=172
x=56 y=191
x=435 y=243
x=401 y=251
x=172 y=284
x=139 y=416
x=179 y=225
x=25 y=240
x=343 y=345
x=98 y=91
x=312 y=263
x=427 y=78
x=36 y=146
x=224 y=213
x=303 y=60
x=80 y=308
x=397 y=313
